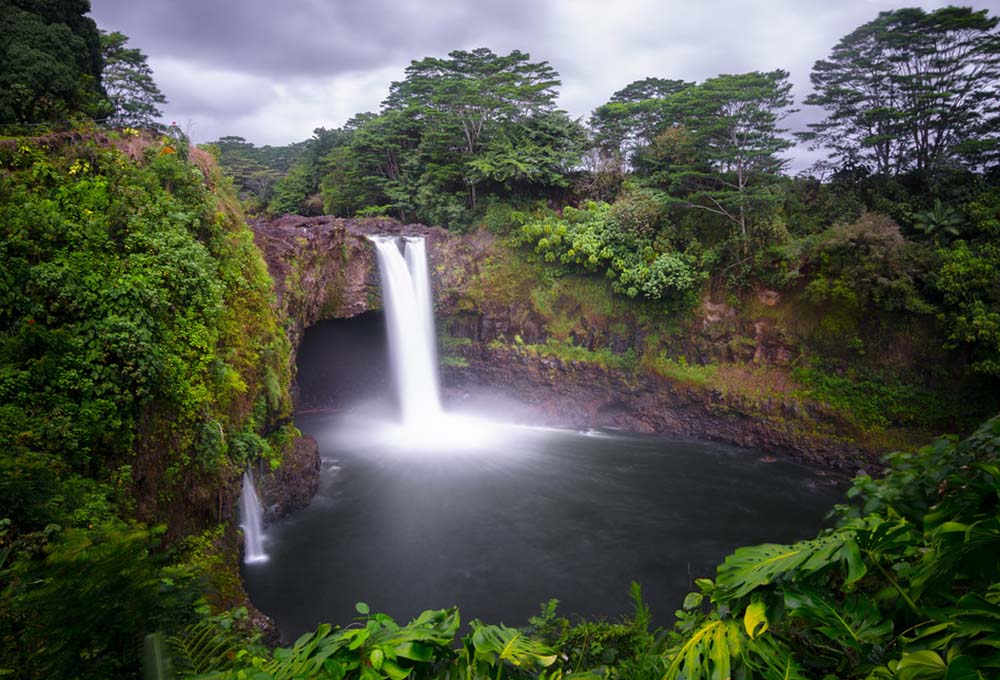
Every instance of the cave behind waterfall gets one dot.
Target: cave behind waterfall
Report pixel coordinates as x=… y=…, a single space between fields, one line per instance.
x=344 y=362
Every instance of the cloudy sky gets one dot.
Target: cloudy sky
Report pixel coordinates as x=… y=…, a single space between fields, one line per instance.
x=272 y=71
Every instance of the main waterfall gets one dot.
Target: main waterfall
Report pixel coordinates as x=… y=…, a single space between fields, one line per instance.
x=409 y=315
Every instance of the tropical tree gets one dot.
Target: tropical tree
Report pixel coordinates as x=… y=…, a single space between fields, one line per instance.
x=539 y=152
x=722 y=148
x=128 y=82
x=463 y=100
x=629 y=121
x=911 y=90
x=50 y=61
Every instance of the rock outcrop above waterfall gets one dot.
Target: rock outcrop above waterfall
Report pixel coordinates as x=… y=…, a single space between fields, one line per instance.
x=324 y=267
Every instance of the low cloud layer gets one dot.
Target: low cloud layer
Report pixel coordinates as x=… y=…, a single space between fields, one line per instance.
x=272 y=72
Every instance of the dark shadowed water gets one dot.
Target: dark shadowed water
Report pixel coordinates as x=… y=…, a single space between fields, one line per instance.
x=522 y=516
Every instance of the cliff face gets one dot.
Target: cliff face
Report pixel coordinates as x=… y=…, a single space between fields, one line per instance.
x=574 y=354
x=578 y=394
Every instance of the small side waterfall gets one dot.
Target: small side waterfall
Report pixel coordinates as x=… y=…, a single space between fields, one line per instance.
x=251 y=519
x=409 y=314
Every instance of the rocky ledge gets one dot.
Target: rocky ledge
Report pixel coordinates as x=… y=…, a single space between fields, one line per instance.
x=582 y=395
x=292 y=486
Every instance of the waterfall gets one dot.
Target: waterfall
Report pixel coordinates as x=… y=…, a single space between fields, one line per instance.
x=409 y=317
x=251 y=520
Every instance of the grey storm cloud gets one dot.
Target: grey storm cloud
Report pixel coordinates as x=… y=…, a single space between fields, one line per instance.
x=307 y=37
x=273 y=71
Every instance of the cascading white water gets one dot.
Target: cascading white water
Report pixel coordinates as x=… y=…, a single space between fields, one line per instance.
x=251 y=519
x=416 y=261
x=409 y=315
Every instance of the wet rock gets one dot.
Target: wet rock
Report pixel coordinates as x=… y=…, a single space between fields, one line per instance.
x=292 y=486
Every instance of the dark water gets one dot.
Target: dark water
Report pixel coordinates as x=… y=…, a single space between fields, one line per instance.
x=525 y=516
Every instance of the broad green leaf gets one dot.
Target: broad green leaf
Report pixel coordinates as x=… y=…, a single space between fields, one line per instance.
x=922 y=665
x=962 y=667
x=394 y=671
x=856 y=623
x=755 y=620
x=414 y=651
x=749 y=568
x=709 y=653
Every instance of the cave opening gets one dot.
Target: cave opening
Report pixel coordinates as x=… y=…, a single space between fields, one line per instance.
x=343 y=362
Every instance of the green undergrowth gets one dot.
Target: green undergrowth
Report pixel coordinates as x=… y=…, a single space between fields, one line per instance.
x=142 y=367
x=450 y=348
x=679 y=370
x=875 y=400
x=568 y=352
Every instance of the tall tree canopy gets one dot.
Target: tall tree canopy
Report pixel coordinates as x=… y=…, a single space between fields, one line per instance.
x=626 y=125
x=463 y=102
x=912 y=91
x=128 y=82
x=50 y=61
x=721 y=151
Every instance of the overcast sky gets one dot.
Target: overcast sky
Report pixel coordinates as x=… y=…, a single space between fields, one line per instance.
x=272 y=70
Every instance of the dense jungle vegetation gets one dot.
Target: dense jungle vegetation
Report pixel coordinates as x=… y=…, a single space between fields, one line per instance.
x=142 y=366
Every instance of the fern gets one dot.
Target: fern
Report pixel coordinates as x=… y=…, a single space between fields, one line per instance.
x=204 y=647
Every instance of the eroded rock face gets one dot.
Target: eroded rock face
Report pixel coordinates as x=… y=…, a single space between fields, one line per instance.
x=583 y=395
x=324 y=267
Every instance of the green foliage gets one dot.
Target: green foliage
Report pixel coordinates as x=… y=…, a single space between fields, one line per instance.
x=621 y=650
x=679 y=370
x=136 y=319
x=726 y=160
x=627 y=124
x=454 y=131
x=967 y=280
x=616 y=240
x=59 y=590
x=50 y=62
x=568 y=352
x=128 y=82
x=255 y=170
x=866 y=264
x=878 y=400
x=874 y=597
x=377 y=648
x=942 y=220
x=911 y=90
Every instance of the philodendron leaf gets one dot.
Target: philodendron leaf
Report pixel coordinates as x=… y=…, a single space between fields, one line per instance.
x=755 y=620
x=749 y=568
x=922 y=665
